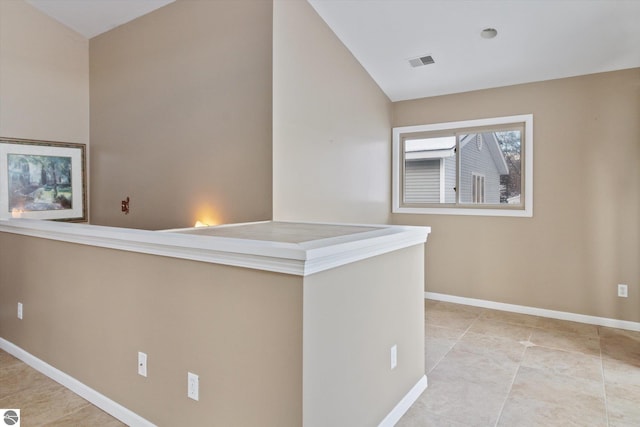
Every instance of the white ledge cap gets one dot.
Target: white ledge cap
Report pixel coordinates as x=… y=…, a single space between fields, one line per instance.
x=298 y=248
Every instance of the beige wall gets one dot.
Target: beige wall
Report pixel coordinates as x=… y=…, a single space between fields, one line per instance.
x=331 y=125
x=331 y=160
x=347 y=348
x=44 y=77
x=88 y=311
x=584 y=237
x=181 y=116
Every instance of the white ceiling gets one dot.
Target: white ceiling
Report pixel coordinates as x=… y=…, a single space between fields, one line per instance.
x=537 y=39
x=93 y=17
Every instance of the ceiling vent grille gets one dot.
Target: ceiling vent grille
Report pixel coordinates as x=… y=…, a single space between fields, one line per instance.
x=422 y=60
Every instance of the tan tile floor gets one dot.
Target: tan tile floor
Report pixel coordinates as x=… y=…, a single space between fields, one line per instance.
x=44 y=402
x=485 y=368
x=493 y=368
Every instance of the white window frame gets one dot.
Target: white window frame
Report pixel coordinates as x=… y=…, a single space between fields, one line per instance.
x=398 y=158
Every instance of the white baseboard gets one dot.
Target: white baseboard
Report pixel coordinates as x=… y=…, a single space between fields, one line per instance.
x=403 y=406
x=534 y=311
x=101 y=401
x=132 y=419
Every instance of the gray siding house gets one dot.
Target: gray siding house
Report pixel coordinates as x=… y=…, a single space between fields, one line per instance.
x=430 y=170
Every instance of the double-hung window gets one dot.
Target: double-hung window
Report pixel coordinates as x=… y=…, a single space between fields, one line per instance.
x=476 y=167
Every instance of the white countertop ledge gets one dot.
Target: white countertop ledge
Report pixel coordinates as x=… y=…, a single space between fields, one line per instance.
x=298 y=248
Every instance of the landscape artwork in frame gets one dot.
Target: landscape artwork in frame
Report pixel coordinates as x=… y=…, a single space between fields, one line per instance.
x=42 y=180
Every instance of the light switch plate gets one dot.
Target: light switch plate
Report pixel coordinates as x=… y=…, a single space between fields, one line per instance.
x=193 y=386
x=142 y=364
x=623 y=290
x=394 y=356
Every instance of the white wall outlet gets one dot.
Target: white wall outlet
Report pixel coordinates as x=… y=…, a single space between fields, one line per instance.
x=20 y=310
x=623 y=290
x=142 y=364
x=193 y=386
x=394 y=356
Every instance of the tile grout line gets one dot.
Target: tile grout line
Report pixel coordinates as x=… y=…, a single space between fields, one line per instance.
x=513 y=380
x=435 y=365
x=604 y=387
x=454 y=344
x=471 y=324
x=62 y=417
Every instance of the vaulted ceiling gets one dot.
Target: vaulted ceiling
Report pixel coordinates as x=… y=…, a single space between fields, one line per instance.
x=536 y=40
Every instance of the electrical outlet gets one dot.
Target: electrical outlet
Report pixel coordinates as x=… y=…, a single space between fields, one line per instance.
x=193 y=385
x=394 y=356
x=142 y=364
x=20 y=310
x=623 y=290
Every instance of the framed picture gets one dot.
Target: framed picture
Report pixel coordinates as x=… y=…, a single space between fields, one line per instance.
x=42 y=180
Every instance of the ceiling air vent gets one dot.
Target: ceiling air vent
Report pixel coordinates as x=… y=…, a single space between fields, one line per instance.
x=423 y=60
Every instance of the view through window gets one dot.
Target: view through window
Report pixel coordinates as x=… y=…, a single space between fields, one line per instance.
x=480 y=164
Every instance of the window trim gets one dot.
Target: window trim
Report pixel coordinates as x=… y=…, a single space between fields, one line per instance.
x=525 y=211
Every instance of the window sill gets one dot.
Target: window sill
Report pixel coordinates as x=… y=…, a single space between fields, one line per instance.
x=522 y=213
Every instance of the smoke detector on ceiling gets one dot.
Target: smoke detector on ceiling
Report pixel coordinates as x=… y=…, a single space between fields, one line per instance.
x=421 y=60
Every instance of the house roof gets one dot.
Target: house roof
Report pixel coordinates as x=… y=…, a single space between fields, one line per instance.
x=430 y=148
x=489 y=138
x=438 y=148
